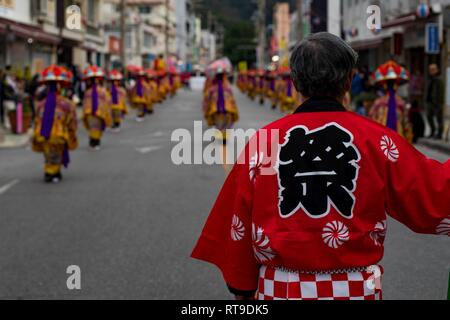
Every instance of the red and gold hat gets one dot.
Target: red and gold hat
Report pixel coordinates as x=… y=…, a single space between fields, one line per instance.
x=115 y=75
x=284 y=71
x=56 y=73
x=94 y=72
x=136 y=70
x=391 y=71
x=151 y=73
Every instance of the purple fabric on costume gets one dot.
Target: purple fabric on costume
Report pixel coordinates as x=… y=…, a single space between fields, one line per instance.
x=261 y=82
x=49 y=112
x=139 y=88
x=171 y=80
x=115 y=94
x=272 y=85
x=94 y=99
x=66 y=157
x=289 y=87
x=392 y=109
x=221 y=97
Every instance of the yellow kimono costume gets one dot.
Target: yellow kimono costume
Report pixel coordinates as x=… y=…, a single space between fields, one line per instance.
x=62 y=134
x=151 y=94
x=289 y=97
x=98 y=117
x=271 y=91
x=220 y=106
x=141 y=101
x=379 y=113
x=119 y=109
x=260 y=87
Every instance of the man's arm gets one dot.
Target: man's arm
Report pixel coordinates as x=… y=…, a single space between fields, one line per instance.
x=417 y=189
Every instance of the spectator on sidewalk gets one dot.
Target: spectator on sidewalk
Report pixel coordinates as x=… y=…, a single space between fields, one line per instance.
x=9 y=91
x=2 y=110
x=435 y=103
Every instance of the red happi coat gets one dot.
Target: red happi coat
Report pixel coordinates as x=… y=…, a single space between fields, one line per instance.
x=321 y=203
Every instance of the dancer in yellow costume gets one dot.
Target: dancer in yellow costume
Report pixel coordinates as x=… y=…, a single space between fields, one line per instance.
x=289 y=97
x=55 y=124
x=251 y=84
x=390 y=110
x=140 y=95
x=97 y=114
x=118 y=99
x=271 y=88
x=152 y=89
x=260 y=86
x=220 y=106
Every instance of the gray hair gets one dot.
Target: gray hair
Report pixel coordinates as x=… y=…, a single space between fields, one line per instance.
x=322 y=65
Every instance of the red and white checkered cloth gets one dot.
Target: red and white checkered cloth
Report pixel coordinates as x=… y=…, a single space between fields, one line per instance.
x=276 y=284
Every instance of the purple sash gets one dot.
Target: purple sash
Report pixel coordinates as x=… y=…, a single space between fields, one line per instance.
x=139 y=88
x=392 y=110
x=94 y=99
x=49 y=112
x=66 y=157
x=115 y=95
x=289 y=87
x=272 y=85
x=221 y=97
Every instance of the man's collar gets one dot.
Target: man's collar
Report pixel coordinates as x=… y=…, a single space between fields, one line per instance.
x=320 y=105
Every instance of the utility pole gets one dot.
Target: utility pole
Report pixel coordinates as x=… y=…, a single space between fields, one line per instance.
x=300 y=19
x=167 y=29
x=261 y=34
x=123 y=6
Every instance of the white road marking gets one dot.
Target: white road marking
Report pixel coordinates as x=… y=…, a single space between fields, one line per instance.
x=146 y=150
x=8 y=186
x=158 y=134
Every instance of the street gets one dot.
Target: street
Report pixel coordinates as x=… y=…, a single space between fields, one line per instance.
x=130 y=218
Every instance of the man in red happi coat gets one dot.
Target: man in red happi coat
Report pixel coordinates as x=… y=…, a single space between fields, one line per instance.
x=303 y=213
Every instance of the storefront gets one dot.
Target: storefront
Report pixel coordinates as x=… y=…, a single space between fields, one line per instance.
x=26 y=46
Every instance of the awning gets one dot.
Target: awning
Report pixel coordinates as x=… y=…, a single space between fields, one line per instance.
x=26 y=32
x=400 y=21
x=366 y=44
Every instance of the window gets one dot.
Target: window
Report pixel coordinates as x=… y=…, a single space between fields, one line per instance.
x=91 y=10
x=149 y=40
x=41 y=6
x=145 y=9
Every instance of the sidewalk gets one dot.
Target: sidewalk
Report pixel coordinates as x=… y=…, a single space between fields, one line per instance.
x=438 y=145
x=10 y=141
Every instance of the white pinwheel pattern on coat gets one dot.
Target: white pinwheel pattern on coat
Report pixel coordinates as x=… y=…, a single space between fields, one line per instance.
x=389 y=149
x=334 y=234
x=379 y=233
x=261 y=245
x=237 y=229
x=444 y=227
x=255 y=165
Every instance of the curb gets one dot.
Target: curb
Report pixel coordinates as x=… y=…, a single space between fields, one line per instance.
x=17 y=143
x=436 y=145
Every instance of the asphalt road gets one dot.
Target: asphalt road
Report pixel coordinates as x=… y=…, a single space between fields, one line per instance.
x=130 y=218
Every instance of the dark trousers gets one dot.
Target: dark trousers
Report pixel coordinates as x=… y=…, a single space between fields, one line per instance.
x=435 y=116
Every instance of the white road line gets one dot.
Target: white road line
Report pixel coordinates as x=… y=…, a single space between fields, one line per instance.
x=146 y=150
x=158 y=134
x=8 y=186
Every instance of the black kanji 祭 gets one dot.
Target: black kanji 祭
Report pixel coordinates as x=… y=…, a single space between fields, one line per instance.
x=318 y=167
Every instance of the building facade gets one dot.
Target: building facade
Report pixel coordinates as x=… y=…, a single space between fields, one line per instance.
x=281 y=31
